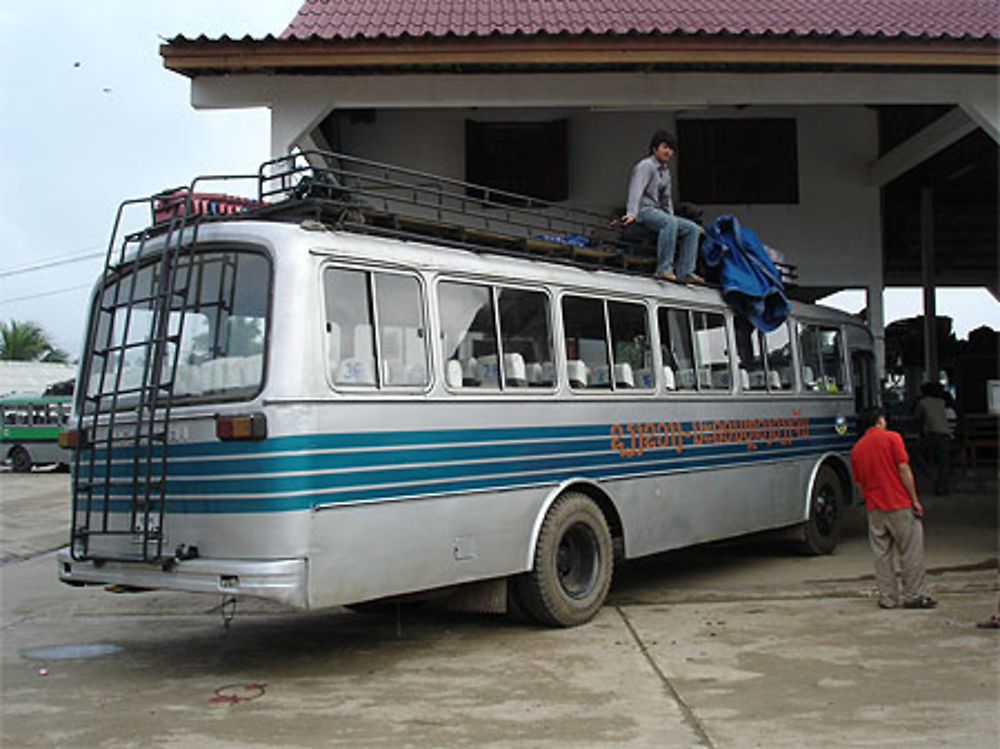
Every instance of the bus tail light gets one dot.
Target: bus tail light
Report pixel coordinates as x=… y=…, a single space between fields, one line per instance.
x=72 y=439
x=249 y=427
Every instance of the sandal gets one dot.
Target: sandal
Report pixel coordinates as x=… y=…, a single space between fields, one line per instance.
x=666 y=276
x=992 y=623
x=923 y=602
x=692 y=278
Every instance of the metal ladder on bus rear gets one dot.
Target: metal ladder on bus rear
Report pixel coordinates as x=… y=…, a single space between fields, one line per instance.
x=119 y=477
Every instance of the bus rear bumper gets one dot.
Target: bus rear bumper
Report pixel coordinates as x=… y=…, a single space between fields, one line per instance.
x=282 y=580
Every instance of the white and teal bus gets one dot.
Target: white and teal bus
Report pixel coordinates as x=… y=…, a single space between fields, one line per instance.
x=350 y=393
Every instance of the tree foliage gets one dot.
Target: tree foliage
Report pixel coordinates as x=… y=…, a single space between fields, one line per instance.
x=27 y=341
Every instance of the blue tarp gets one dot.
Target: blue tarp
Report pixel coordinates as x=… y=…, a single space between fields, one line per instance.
x=750 y=283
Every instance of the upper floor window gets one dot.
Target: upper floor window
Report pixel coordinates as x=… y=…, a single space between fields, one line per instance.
x=822 y=358
x=527 y=158
x=744 y=161
x=374 y=329
x=495 y=337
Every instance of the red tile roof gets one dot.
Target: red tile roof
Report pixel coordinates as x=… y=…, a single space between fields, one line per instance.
x=350 y=19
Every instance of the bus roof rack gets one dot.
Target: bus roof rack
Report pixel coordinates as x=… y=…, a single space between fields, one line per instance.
x=366 y=196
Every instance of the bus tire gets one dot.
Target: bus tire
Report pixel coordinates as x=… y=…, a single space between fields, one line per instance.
x=20 y=460
x=821 y=531
x=573 y=564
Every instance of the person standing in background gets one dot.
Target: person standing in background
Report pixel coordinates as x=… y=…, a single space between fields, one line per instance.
x=881 y=470
x=931 y=412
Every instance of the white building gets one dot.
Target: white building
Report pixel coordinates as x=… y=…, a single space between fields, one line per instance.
x=858 y=138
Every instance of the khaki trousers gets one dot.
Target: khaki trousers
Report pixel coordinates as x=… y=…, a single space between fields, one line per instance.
x=898 y=531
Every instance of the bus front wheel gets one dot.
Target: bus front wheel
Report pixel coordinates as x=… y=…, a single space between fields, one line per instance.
x=821 y=531
x=20 y=460
x=572 y=567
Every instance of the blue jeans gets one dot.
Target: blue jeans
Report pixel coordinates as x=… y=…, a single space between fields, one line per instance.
x=672 y=233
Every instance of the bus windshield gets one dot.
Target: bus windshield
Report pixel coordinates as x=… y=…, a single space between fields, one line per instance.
x=213 y=340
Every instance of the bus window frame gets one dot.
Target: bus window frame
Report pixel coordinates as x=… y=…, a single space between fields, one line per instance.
x=847 y=390
x=494 y=284
x=697 y=391
x=379 y=388
x=80 y=398
x=613 y=388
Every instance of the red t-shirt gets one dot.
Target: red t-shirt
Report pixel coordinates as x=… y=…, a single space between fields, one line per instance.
x=874 y=461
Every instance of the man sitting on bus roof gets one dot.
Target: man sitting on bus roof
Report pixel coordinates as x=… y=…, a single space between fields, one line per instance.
x=651 y=204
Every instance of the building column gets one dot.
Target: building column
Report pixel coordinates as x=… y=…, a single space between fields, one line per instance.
x=927 y=281
x=876 y=324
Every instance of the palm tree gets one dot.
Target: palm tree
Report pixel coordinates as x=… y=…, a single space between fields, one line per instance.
x=27 y=341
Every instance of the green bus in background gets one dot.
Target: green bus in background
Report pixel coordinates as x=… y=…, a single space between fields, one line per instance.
x=30 y=430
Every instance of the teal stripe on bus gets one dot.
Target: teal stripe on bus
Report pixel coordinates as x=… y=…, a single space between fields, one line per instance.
x=309 y=489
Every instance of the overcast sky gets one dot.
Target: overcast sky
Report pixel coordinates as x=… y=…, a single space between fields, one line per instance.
x=91 y=117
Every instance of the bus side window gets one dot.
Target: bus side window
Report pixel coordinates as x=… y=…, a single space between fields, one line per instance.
x=822 y=359
x=633 y=359
x=586 y=343
x=526 y=338
x=352 y=356
x=468 y=332
x=349 y=324
x=677 y=348
x=777 y=344
x=750 y=355
x=711 y=351
x=401 y=330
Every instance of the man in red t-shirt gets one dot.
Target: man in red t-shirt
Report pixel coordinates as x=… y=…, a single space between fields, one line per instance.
x=882 y=472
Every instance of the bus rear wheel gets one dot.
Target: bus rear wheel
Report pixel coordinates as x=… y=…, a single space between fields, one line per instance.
x=821 y=531
x=20 y=460
x=573 y=564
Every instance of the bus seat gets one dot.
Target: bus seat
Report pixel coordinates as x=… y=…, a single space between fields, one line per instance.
x=774 y=380
x=514 y=372
x=355 y=371
x=623 y=375
x=332 y=348
x=488 y=373
x=808 y=378
x=644 y=378
x=601 y=376
x=576 y=372
x=704 y=378
x=533 y=373
x=393 y=372
x=415 y=374
x=470 y=372
x=363 y=347
x=187 y=381
x=255 y=368
x=131 y=377
x=211 y=376
x=685 y=379
x=757 y=379
x=453 y=373
x=548 y=373
x=669 y=383
x=241 y=371
x=391 y=343
x=721 y=380
x=744 y=379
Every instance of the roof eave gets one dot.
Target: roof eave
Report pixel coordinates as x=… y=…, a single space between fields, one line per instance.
x=270 y=55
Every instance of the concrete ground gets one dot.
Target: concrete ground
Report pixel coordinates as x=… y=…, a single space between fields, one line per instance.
x=733 y=645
